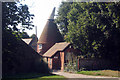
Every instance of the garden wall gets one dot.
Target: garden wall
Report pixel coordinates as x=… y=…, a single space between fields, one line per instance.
x=96 y=64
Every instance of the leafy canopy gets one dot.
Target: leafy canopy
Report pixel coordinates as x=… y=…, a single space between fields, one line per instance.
x=16 y=17
x=92 y=27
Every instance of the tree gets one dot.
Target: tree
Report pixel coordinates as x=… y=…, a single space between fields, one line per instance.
x=14 y=50
x=92 y=27
x=14 y=14
x=62 y=18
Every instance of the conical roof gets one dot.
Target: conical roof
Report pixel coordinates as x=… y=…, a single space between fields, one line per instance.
x=50 y=32
x=52 y=14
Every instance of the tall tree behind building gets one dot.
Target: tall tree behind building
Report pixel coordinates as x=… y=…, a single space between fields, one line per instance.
x=94 y=28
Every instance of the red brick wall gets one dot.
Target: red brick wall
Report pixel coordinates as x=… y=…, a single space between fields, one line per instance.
x=63 y=53
x=50 y=63
x=96 y=64
x=62 y=60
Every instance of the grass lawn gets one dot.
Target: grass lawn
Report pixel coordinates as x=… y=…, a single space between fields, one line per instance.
x=101 y=73
x=35 y=77
x=52 y=77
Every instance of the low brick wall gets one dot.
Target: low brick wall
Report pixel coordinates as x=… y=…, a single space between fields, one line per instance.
x=96 y=64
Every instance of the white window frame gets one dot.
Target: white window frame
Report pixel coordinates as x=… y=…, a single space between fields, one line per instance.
x=40 y=46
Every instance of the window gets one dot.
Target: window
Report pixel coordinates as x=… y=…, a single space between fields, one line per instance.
x=40 y=46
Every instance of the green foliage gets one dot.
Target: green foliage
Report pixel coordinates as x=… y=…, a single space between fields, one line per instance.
x=71 y=67
x=62 y=18
x=14 y=15
x=92 y=27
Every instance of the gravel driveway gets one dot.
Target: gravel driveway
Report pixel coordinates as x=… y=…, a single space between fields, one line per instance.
x=83 y=77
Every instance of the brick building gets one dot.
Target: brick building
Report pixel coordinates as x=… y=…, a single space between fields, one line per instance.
x=52 y=47
x=59 y=55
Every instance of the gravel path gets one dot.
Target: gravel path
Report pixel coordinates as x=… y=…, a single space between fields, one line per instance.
x=72 y=75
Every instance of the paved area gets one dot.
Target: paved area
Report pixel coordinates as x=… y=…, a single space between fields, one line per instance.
x=89 y=77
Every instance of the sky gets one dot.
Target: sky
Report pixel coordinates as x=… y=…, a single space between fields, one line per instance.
x=42 y=10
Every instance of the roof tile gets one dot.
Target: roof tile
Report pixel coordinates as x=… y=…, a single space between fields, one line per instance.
x=57 y=47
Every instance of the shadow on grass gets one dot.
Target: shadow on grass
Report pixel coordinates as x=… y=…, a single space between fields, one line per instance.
x=26 y=76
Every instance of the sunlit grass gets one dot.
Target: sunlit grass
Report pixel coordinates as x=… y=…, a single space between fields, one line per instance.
x=52 y=77
x=101 y=73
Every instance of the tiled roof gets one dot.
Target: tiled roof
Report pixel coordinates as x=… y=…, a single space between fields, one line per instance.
x=27 y=40
x=57 y=47
x=50 y=33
